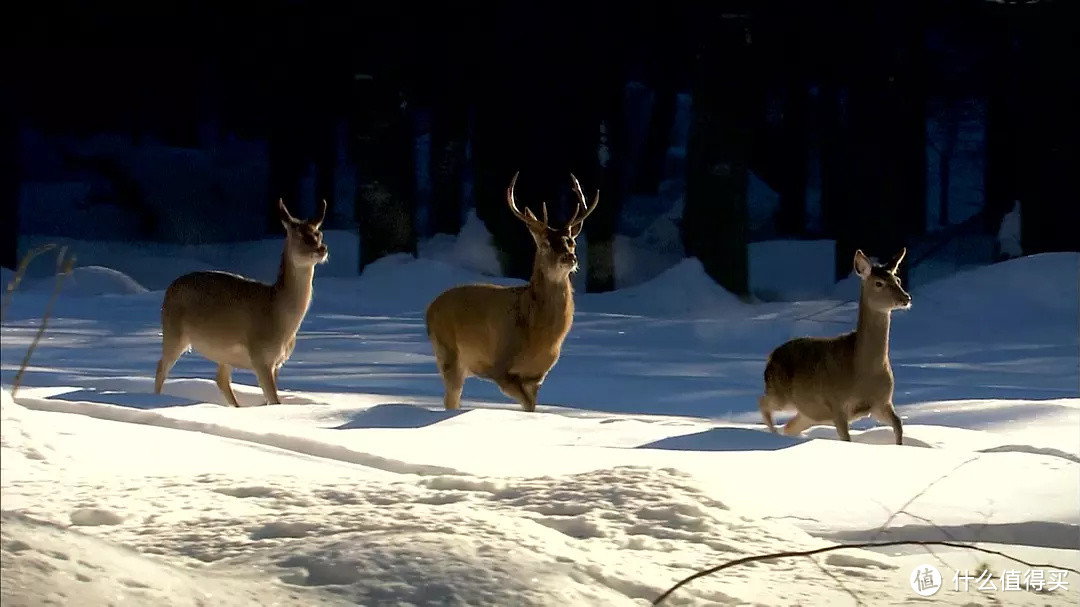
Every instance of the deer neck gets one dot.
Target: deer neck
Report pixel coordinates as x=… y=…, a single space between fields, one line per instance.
x=550 y=300
x=292 y=290
x=871 y=337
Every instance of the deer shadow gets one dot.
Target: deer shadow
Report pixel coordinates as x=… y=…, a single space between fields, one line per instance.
x=123 y=398
x=726 y=439
x=397 y=415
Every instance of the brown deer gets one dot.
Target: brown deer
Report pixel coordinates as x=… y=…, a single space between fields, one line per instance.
x=239 y=322
x=838 y=379
x=511 y=335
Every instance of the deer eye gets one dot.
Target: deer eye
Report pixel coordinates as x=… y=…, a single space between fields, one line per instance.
x=879 y=283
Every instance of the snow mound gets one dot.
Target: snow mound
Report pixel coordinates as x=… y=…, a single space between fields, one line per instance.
x=88 y=281
x=1046 y=281
x=683 y=290
x=471 y=249
x=410 y=283
x=659 y=247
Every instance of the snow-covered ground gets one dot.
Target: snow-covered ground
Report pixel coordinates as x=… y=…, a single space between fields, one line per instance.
x=648 y=460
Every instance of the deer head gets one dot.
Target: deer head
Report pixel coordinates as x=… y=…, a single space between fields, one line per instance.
x=556 y=248
x=303 y=242
x=881 y=288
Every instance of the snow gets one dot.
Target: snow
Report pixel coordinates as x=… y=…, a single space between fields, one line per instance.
x=471 y=249
x=1008 y=236
x=155 y=265
x=90 y=280
x=645 y=461
x=683 y=290
x=790 y=270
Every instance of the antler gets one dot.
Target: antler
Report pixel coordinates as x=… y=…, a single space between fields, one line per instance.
x=575 y=221
x=528 y=217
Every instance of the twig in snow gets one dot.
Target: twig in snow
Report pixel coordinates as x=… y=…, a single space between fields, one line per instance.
x=63 y=269
x=903 y=509
x=11 y=286
x=794 y=553
x=839 y=582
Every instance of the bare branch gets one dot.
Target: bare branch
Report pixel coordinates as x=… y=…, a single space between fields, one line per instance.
x=63 y=269
x=796 y=553
x=921 y=493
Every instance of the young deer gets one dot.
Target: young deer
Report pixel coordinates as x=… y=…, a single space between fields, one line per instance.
x=239 y=322
x=838 y=379
x=511 y=335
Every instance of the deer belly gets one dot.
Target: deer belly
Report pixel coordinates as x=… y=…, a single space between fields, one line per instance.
x=234 y=355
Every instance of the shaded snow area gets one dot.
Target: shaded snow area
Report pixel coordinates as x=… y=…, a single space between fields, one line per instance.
x=645 y=461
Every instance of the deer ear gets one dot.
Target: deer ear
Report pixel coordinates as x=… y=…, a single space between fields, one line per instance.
x=895 y=263
x=862 y=264
x=283 y=213
x=318 y=221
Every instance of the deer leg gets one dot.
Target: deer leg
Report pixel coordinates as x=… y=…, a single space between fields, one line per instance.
x=530 y=388
x=224 y=382
x=511 y=386
x=765 y=405
x=797 y=425
x=452 y=374
x=453 y=381
x=510 y=383
x=265 y=374
x=886 y=414
x=840 y=420
x=172 y=346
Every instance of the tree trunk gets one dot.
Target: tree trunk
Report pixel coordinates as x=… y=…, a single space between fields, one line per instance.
x=715 y=216
x=9 y=187
x=448 y=138
x=837 y=189
x=1045 y=103
x=286 y=167
x=948 y=148
x=885 y=137
x=658 y=138
x=793 y=177
x=498 y=154
x=610 y=160
x=386 y=176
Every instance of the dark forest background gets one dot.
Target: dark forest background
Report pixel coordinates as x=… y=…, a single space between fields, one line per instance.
x=539 y=86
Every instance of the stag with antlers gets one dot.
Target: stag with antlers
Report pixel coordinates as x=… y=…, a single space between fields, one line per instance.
x=511 y=335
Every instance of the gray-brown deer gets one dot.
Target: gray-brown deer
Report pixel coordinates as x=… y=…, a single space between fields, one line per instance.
x=835 y=380
x=511 y=335
x=243 y=323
